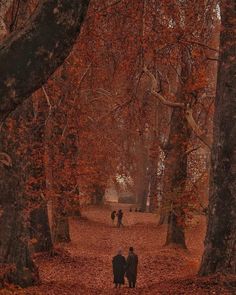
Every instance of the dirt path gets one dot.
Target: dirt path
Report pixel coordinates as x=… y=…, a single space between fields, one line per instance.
x=84 y=266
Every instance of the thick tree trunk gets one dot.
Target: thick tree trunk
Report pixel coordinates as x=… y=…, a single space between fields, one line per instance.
x=36 y=183
x=15 y=201
x=152 y=173
x=220 y=243
x=163 y=214
x=14 y=235
x=175 y=177
x=176 y=160
x=40 y=233
x=175 y=232
x=29 y=56
x=141 y=179
x=98 y=194
x=62 y=170
x=57 y=179
x=60 y=221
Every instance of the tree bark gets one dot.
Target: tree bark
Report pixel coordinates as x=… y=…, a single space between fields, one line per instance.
x=59 y=184
x=60 y=221
x=141 y=177
x=175 y=178
x=176 y=161
x=220 y=243
x=40 y=230
x=62 y=141
x=15 y=201
x=29 y=56
x=98 y=194
x=35 y=186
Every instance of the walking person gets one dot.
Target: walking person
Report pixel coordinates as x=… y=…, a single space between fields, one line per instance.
x=113 y=216
x=119 y=266
x=131 y=267
x=119 y=218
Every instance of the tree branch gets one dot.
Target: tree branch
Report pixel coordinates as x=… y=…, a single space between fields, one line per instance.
x=47 y=98
x=158 y=95
x=188 y=111
x=192 y=123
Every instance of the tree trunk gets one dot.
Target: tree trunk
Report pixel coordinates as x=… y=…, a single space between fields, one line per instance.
x=15 y=202
x=60 y=221
x=141 y=179
x=175 y=177
x=98 y=194
x=152 y=173
x=220 y=244
x=40 y=230
x=36 y=183
x=38 y=50
x=175 y=232
x=62 y=141
x=163 y=215
x=57 y=181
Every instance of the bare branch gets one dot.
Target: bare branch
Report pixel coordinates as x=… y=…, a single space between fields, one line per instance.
x=109 y=5
x=187 y=42
x=192 y=123
x=192 y=149
x=188 y=111
x=47 y=98
x=158 y=95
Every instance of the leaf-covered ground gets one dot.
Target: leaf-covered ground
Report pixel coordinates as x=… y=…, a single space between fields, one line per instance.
x=84 y=266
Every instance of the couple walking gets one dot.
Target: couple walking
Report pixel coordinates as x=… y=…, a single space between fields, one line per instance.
x=122 y=267
x=119 y=217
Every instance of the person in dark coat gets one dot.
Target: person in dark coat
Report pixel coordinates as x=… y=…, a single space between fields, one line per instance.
x=131 y=267
x=119 y=266
x=119 y=218
x=113 y=215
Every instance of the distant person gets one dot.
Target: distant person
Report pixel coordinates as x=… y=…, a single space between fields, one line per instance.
x=136 y=209
x=130 y=209
x=119 y=218
x=131 y=267
x=113 y=216
x=119 y=266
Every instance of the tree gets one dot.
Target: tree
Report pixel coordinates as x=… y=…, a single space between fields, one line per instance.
x=184 y=74
x=220 y=243
x=27 y=58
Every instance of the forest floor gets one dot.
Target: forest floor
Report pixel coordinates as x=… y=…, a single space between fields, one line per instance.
x=83 y=267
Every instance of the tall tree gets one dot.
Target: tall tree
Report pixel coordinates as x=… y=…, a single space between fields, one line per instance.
x=220 y=242
x=27 y=58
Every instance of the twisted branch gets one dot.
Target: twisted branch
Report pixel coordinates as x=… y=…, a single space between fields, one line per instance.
x=188 y=111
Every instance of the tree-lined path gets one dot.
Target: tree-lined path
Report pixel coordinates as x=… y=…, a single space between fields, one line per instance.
x=84 y=265
x=141 y=107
